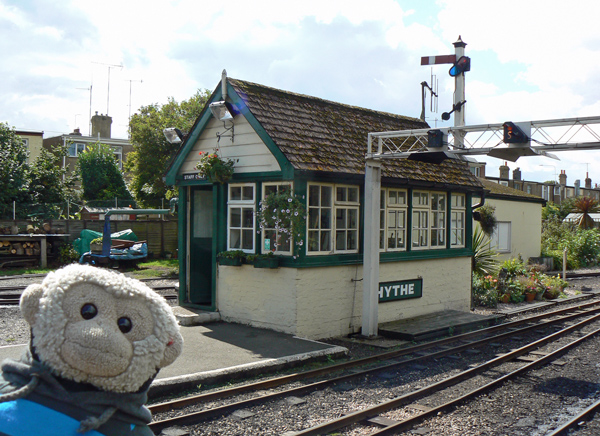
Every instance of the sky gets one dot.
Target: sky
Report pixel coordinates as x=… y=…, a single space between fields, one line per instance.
x=530 y=60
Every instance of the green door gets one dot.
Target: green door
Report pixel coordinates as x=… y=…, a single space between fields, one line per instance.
x=201 y=257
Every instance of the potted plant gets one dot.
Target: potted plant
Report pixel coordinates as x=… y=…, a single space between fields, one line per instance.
x=96 y=245
x=286 y=214
x=214 y=168
x=268 y=260
x=233 y=257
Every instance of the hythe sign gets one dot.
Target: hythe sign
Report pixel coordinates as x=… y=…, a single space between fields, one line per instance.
x=401 y=290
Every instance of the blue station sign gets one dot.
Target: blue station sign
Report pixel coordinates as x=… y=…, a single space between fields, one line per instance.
x=400 y=290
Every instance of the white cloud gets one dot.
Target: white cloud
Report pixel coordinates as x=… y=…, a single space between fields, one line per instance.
x=530 y=60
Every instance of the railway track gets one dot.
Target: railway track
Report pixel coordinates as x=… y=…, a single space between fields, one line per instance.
x=482 y=350
x=11 y=295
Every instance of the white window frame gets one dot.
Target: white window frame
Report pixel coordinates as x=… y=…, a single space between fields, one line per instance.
x=333 y=232
x=457 y=220
x=419 y=235
x=76 y=148
x=438 y=220
x=118 y=151
x=246 y=205
x=427 y=219
x=399 y=209
x=265 y=187
x=501 y=238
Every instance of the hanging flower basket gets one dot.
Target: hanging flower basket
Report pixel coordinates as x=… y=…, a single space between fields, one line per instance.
x=214 y=168
x=285 y=213
x=486 y=215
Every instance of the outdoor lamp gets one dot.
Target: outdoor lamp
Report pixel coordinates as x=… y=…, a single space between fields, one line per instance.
x=220 y=111
x=173 y=135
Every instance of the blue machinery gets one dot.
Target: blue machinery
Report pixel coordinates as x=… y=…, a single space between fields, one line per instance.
x=106 y=255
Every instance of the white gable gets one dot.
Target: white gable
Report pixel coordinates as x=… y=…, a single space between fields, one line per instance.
x=253 y=154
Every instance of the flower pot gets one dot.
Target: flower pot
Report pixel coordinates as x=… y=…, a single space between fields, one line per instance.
x=271 y=262
x=232 y=261
x=504 y=298
x=529 y=297
x=96 y=248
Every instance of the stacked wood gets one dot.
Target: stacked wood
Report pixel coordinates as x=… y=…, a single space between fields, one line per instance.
x=9 y=230
x=18 y=249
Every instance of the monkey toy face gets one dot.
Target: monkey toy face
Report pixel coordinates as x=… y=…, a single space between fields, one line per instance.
x=99 y=327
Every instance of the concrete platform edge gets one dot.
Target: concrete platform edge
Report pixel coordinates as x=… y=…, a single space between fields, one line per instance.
x=168 y=385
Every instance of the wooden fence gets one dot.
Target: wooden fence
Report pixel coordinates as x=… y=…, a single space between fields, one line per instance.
x=161 y=235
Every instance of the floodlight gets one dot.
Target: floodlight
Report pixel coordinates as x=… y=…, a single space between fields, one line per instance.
x=173 y=135
x=220 y=111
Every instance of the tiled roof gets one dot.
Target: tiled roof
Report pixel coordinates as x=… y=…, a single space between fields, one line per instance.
x=500 y=190
x=320 y=135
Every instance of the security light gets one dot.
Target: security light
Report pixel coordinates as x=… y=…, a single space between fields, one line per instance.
x=173 y=135
x=220 y=111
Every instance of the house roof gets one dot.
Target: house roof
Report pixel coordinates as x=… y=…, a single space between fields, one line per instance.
x=325 y=136
x=575 y=216
x=497 y=190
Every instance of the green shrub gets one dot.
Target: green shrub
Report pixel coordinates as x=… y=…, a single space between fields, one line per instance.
x=484 y=291
x=67 y=255
x=582 y=245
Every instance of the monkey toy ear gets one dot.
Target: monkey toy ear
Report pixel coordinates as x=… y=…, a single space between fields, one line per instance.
x=30 y=300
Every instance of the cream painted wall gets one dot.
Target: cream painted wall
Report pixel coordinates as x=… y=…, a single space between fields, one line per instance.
x=253 y=154
x=260 y=297
x=325 y=302
x=525 y=229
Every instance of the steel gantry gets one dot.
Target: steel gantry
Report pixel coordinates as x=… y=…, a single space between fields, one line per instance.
x=507 y=141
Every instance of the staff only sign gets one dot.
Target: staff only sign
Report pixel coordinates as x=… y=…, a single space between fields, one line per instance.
x=400 y=290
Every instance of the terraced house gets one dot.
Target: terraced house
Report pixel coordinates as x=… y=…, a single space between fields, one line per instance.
x=279 y=139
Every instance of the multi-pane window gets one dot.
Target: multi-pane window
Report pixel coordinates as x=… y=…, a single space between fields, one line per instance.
x=428 y=219
x=438 y=220
x=272 y=239
x=420 y=219
x=75 y=148
x=240 y=218
x=395 y=224
x=346 y=218
x=457 y=220
x=118 y=150
x=324 y=233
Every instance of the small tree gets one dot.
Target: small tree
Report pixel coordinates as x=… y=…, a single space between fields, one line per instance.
x=14 y=173
x=152 y=154
x=50 y=182
x=101 y=178
x=585 y=206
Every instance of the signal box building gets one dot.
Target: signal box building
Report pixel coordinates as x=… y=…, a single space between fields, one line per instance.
x=280 y=139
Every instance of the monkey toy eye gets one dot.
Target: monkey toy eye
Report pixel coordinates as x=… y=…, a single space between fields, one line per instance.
x=88 y=311
x=124 y=324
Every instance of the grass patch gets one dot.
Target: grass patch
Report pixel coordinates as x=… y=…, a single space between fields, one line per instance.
x=151 y=268
x=23 y=271
x=155 y=268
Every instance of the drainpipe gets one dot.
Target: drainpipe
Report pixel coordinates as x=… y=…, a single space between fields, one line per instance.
x=481 y=202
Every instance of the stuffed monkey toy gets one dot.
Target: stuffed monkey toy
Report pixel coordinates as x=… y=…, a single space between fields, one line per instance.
x=98 y=339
